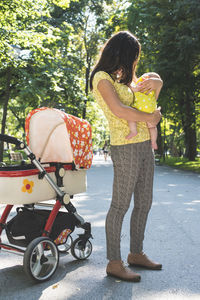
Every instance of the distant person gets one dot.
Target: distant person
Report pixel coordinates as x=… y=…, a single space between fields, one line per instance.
x=133 y=159
x=105 y=150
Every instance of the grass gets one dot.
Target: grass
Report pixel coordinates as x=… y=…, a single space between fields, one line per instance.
x=182 y=163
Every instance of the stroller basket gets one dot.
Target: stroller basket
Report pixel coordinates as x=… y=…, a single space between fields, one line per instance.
x=29 y=224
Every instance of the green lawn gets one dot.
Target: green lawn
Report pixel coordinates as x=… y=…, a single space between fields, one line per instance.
x=182 y=163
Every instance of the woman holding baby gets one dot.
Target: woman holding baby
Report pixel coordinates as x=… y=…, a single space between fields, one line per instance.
x=118 y=91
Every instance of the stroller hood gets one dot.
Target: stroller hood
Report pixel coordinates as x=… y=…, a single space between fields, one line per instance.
x=55 y=136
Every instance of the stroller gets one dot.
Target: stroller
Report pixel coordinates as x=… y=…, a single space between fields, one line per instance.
x=60 y=151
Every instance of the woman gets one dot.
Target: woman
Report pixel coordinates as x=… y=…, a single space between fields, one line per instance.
x=133 y=160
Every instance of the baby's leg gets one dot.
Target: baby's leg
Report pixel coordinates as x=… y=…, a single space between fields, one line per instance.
x=153 y=135
x=133 y=130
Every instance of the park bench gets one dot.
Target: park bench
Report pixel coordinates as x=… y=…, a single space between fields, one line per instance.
x=16 y=156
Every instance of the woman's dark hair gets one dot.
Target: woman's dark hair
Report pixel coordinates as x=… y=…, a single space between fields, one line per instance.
x=118 y=53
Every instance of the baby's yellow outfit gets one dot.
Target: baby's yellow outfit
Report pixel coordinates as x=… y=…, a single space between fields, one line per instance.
x=143 y=102
x=119 y=128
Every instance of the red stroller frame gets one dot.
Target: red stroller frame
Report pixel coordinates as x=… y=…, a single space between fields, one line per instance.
x=41 y=257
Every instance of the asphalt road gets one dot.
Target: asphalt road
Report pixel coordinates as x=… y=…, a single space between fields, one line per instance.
x=172 y=237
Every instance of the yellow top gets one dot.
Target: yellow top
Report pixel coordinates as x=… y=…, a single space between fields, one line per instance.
x=119 y=128
x=146 y=103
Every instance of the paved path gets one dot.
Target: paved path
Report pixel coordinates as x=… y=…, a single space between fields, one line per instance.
x=172 y=237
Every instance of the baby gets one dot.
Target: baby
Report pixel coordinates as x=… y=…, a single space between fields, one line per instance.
x=146 y=103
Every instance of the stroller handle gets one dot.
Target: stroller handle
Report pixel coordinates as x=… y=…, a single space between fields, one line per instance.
x=12 y=140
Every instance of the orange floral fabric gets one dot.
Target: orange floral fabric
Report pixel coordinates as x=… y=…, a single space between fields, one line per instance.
x=80 y=134
x=62 y=238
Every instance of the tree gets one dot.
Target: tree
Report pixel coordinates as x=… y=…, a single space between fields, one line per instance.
x=88 y=22
x=47 y=49
x=26 y=42
x=168 y=31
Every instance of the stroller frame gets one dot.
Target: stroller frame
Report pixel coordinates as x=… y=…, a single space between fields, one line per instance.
x=41 y=256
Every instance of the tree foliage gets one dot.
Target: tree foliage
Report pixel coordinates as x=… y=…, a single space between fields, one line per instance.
x=48 y=48
x=168 y=31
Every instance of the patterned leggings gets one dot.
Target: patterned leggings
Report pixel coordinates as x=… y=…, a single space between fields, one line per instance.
x=133 y=173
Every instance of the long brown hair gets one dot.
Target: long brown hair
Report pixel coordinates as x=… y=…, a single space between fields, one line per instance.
x=119 y=53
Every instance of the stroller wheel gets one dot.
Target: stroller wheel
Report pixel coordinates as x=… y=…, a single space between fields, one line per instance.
x=64 y=248
x=41 y=259
x=80 y=249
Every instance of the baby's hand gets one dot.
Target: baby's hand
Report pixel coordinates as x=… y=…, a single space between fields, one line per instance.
x=134 y=88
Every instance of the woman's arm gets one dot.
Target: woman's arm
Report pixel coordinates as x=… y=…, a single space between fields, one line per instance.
x=122 y=111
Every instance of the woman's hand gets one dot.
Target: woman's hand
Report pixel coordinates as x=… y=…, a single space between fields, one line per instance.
x=150 y=84
x=156 y=116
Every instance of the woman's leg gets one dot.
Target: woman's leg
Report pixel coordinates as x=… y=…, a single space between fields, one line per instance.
x=125 y=163
x=142 y=197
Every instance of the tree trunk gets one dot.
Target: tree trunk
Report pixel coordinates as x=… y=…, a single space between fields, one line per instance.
x=5 y=109
x=190 y=141
x=87 y=73
x=189 y=125
x=87 y=77
x=159 y=141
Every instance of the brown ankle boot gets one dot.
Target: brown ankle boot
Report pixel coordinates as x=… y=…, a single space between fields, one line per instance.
x=117 y=269
x=141 y=260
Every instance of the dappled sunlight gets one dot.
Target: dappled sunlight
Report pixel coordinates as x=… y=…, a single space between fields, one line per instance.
x=96 y=248
x=81 y=197
x=100 y=223
x=189 y=203
x=163 y=173
x=107 y=199
x=84 y=212
x=191 y=209
x=97 y=215
x=7 y=256
x=170 y=295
